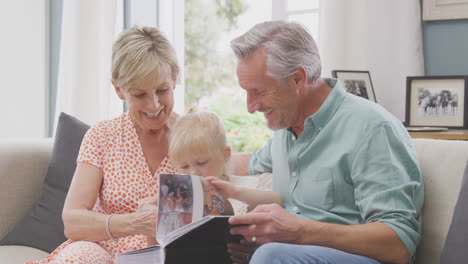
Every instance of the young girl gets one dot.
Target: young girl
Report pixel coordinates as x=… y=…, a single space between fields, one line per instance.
x=198 y=146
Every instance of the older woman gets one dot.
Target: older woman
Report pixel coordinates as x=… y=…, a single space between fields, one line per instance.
x=111 y=205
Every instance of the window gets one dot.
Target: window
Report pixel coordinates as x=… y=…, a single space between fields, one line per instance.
x=209 y=80
x=168 y=16
x=304 y=12
x=210 y=66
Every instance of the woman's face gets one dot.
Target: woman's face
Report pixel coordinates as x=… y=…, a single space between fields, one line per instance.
x=150 y=104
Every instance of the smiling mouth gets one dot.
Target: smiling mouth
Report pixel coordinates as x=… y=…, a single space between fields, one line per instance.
x=154 y=114
x=268 y=113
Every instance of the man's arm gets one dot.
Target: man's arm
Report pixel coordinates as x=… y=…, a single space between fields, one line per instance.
x=388 y=192
x=375 y=240
x=269 y=223
x=240 y=163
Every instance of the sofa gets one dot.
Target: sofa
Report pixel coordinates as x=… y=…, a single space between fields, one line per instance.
x=24 y=163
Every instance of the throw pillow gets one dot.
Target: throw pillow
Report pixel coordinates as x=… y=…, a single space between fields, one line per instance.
x=42 y=227
x=456 y=243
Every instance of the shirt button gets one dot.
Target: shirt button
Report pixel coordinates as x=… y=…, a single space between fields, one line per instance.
x=319 y=128
x=295 y=209
x=294 y=174
x=293 y=138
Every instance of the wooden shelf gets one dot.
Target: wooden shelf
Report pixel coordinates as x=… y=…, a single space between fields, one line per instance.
x=452 y=134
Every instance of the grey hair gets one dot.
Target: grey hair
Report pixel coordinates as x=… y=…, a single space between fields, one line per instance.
x=139 y=52
x=288 y=45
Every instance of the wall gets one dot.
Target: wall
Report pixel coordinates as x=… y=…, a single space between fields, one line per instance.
x=24 y=68
x=446 y=47
x=25 y=79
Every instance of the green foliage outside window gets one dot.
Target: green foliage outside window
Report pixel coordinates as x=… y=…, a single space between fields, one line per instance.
x=206 y=69
x=210 y=75
x=245 y=132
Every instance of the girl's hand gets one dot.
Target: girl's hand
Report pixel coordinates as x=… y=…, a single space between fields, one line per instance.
x=225 y=188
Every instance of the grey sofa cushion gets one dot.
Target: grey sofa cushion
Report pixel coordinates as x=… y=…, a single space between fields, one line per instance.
x=42 y=227
x=456 y=244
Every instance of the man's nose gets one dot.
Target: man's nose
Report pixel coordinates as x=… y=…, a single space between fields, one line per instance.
x=252 y=104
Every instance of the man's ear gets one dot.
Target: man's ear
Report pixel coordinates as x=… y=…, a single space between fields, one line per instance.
x=227 y=153
x=299 y=79
x=118 y=91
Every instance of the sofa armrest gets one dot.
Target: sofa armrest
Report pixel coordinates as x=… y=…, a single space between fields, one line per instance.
x=442 y=165
x=23 y=167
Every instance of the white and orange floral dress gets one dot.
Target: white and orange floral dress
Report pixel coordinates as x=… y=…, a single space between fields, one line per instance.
x=113 y=147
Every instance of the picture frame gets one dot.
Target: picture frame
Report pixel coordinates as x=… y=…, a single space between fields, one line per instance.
x=444 y=9
x=356 y=82
x=437 y=101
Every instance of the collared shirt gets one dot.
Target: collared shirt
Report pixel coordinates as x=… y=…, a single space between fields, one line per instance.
x=354 y=163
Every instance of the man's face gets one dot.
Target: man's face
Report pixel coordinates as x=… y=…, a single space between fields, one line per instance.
x=278 y=101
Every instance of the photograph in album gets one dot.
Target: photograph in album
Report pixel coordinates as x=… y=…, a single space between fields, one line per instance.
x=192 y=224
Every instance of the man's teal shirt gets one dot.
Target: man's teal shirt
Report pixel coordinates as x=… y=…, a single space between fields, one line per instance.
x=354 y=163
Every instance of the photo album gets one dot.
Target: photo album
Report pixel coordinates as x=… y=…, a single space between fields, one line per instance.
x=192 y=224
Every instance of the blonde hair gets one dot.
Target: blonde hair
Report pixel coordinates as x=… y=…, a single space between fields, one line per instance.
x=199 y=132
x=140 y=52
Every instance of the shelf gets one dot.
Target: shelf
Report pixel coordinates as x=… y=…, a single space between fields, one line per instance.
x=451 y=134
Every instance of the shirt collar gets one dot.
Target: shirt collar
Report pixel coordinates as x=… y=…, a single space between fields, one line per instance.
x=329 y=106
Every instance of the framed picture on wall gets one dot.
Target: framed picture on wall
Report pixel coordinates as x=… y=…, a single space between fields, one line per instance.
x=356 y=82
x=444 y=9
x=437 y=101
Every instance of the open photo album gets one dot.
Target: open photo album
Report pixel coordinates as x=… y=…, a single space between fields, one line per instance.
x=192 y=224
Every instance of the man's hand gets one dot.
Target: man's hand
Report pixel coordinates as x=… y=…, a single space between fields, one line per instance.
x=241 y=253
x=268 y=223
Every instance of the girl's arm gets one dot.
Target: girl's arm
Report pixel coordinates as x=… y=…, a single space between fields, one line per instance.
x=249 y=196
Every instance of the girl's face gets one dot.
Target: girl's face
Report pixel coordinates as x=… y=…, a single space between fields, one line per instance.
x=204 y=164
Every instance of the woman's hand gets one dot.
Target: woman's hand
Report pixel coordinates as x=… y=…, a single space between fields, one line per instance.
x=146 y=218
x=225 y=188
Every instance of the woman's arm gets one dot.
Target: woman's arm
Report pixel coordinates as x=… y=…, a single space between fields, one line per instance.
x=81 y=223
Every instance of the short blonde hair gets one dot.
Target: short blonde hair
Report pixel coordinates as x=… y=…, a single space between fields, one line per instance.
x=138 y=53
x=199 y=132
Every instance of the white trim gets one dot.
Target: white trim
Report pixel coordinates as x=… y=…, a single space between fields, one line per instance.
x=142 y=13
x=171 y=22
x=279 y=10
x=305 y=11
x=444 y=9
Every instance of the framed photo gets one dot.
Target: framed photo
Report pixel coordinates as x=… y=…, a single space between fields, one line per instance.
x=444 y=9
x=437 y=101
x=356 y=82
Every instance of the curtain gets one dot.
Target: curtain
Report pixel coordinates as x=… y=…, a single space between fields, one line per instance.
x=84 y=87
x=381 y=36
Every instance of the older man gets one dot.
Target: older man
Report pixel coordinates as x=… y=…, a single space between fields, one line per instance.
x=345 y=167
